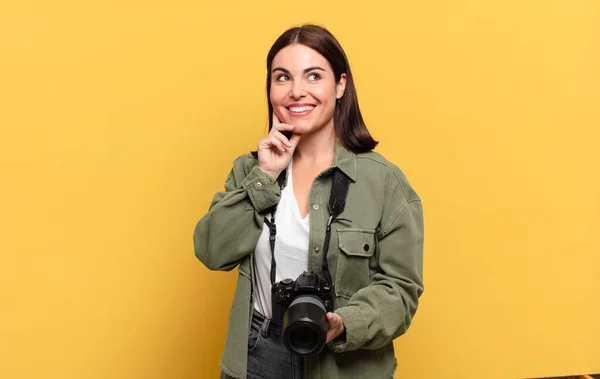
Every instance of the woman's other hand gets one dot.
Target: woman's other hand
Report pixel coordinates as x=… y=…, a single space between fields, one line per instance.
x=336 y=326
x=275 y=150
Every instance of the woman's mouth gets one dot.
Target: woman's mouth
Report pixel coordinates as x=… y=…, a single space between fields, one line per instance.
x=298 y=111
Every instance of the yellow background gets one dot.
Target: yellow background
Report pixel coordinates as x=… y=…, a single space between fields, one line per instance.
x=120 y=119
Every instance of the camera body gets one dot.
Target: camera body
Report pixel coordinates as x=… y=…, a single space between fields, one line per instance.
x=301 y=307
x=285 y=291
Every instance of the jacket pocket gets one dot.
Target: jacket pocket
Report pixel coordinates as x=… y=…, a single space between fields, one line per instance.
x=352 y=271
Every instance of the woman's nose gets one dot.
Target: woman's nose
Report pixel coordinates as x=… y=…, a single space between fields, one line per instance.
x=297 y=89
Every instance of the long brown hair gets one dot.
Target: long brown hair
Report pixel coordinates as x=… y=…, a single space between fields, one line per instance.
x=348 y=122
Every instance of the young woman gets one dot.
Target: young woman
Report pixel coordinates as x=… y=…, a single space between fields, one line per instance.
x=371 y=254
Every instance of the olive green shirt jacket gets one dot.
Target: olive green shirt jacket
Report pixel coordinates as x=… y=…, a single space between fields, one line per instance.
x=375 y=259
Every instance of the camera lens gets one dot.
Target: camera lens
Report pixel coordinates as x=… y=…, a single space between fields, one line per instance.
x=303 y=338
x=305 y=326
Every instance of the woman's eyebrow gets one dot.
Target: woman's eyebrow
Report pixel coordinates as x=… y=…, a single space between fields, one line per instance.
x=305 y=70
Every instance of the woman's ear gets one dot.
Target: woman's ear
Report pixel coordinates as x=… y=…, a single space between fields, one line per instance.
x=341 y=87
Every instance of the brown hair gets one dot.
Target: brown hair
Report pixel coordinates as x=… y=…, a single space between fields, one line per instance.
x=348 y=122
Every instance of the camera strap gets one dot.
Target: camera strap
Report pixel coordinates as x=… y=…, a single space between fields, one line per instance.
x=273 y=228
x=337 y=203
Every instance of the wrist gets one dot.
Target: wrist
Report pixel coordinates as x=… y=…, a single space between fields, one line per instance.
x=272 y=174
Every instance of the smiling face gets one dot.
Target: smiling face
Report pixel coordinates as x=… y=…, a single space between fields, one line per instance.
x=303 y=89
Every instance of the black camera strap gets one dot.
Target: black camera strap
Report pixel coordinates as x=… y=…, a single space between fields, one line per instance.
x=273 y=228
x=337 y=203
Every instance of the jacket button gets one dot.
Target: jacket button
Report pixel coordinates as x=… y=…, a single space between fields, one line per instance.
x=316 y=249
x=316 y=206
x=366 y=247
x=258 y=184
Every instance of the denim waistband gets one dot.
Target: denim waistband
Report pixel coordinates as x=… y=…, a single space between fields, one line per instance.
x=265 y=325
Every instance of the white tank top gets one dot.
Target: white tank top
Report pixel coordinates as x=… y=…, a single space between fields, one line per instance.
x=291 y=247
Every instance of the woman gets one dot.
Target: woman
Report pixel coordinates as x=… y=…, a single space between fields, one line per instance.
x=372 y=253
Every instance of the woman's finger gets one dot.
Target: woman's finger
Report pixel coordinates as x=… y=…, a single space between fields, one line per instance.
x=295 y=139
x=274 y=142
x=335 y=319
x=336 y=323
x=283 y=139
x=336 y=326
x=283 y=127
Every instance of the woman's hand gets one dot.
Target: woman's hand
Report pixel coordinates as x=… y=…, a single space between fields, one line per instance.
x=336 y=326
x=275 y=150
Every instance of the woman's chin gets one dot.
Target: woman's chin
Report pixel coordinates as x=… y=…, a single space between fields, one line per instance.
x=303 y=127
x=298 y=129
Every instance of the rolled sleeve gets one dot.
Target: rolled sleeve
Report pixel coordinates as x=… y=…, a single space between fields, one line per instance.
x=263 y=191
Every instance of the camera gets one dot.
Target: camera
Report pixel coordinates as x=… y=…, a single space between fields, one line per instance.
x=301 y=308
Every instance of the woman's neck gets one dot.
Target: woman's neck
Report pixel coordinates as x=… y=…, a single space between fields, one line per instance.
x=317 y=148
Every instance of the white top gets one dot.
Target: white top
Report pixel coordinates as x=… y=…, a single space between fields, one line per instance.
x=291 y=247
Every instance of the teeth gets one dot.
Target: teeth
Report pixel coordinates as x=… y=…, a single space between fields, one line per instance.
x=301 y=109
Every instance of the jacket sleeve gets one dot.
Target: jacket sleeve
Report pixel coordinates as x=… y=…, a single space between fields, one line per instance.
x=232 y=226
x=383 y=310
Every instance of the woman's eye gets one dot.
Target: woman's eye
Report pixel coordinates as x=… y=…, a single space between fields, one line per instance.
x=314 y=76
x=282 y=78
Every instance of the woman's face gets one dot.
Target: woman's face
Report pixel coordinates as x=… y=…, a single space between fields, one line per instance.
x=303 y=89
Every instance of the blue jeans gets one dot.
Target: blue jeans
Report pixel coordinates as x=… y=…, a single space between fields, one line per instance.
x=268 y=358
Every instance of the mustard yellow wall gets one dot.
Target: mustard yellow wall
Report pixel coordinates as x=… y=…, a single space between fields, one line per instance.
x=120 y=119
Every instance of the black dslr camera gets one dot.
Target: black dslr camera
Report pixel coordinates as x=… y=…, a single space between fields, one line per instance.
x=301 y=307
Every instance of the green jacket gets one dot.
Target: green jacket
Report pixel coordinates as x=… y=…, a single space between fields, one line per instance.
x=376 y=260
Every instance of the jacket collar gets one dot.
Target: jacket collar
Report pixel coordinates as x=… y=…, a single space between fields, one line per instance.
x=344 y=160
